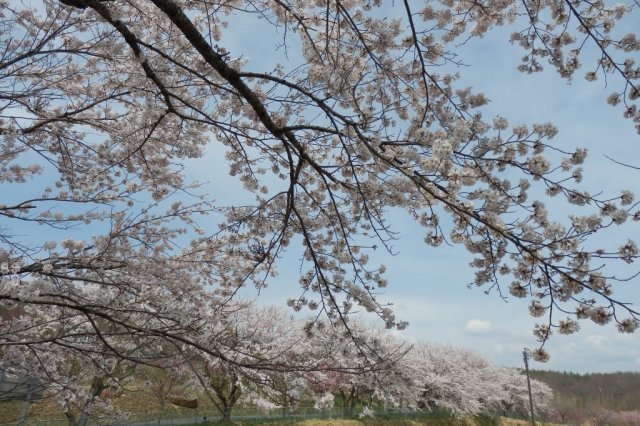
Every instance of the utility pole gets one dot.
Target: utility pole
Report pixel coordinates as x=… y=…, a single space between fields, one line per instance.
x=526 y=354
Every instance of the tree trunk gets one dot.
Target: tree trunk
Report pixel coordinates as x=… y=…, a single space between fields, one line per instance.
x=97 y=386
x=348 y=403
x=352 y=404
x=285 y=401
x=226 y=414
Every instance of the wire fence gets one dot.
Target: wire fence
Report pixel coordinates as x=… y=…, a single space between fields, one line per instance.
x=208 y=417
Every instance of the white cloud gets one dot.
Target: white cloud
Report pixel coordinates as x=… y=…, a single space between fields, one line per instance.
x=477 y=326
x=568 y=348
x=597 y=340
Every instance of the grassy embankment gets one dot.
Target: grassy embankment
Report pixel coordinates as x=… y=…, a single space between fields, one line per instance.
x=414 y=421
x=140 y=402
x=9 y=412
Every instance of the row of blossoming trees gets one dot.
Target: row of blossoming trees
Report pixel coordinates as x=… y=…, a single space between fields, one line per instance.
x=268 y=360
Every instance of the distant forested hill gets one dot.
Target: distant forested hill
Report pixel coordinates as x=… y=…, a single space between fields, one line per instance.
x=590 y=392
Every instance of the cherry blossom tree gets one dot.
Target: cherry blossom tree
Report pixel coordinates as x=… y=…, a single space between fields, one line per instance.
x=225 y=383
x=378 y=373
x=514 y=394
x=423 y=376
x=169 y=384
x=262 y=364
x=78 y=389
x=453 y=380
x=104 y=102
x=464 y=383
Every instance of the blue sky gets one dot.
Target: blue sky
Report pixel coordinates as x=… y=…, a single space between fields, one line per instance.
x=428 y=286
